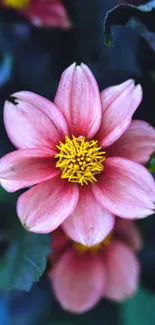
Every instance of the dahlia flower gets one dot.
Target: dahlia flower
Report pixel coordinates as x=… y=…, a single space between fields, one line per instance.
x=81 y=276
x=49 y=13
x=82 y=153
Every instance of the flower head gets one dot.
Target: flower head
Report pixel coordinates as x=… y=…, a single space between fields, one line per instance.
x=82 y=153
x=81 y=276
x=80 y=160
x=49 y=13
x=17 y=4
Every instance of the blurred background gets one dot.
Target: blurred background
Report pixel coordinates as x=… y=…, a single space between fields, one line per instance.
x=33 y=54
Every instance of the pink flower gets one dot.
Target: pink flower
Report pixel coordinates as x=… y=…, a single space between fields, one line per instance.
x=81 y=276
x=84 y=154
x=49 y=13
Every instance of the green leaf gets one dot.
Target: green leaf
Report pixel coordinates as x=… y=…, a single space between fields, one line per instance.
x=8 y=197
x=131 y=16
x=139 y=310
x=151 y=164
x=25 y=260
x=25 y=256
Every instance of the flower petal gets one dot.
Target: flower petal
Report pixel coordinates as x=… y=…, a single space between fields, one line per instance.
x=79 y=100
x=33 y=121
x=47 y=14
x=122 y=271
x=90 y=223
x=23 y=168
x=118 y=104
x=45 y=206
x=137 y=143
x=77 y=281
x=127 y=231
x=60 y=242
x=125 y=188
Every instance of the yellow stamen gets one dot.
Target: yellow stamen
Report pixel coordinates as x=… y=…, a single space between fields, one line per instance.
x=84 y=249
x=17 y=4
x=80 y=160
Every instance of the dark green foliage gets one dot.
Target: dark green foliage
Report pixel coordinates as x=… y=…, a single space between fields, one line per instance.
x=25 y=256
x=135 y=17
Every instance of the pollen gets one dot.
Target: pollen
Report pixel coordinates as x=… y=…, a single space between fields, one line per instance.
x=80 y=160
x=17 y=4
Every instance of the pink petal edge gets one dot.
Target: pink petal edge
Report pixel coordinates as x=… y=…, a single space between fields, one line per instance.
x=33 y=122
x=122 y=269
x=129 y=232
x=126 y=189
x=22 y=168
x=45 y=206
x=79 y=100
x=118 y=104
x=47 y=14
x=77 y=281
x=137 y=143
x=90 y=223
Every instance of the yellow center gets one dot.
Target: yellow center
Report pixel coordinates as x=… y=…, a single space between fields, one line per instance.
x=80 y=160
x=17 y=4
x=96 y=248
